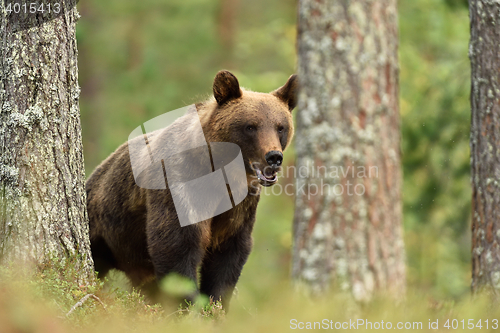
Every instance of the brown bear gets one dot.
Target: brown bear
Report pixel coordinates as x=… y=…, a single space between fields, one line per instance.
x=137 y=230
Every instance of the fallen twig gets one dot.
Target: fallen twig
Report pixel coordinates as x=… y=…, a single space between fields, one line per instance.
x=175 y=312
x=80 y=303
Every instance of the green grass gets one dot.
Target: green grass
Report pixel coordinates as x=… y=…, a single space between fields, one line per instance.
x=42 y=304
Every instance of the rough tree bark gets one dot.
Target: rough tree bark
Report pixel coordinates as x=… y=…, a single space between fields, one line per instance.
x=42 y=195
x=484 y=53
x=348 y=235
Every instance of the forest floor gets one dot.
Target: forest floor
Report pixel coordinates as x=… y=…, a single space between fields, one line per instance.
x=53 y=301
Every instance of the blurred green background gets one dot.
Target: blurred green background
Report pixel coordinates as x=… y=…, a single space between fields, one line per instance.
x=139 y=59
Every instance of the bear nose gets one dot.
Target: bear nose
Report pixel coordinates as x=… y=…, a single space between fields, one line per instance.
x=274 y=158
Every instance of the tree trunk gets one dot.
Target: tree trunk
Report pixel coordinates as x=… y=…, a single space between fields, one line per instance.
x=484 y=53
x=227 y=19
x=347 y=225
x=42 y=195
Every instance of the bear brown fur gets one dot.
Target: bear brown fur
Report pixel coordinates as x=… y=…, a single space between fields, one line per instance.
x=137 y=231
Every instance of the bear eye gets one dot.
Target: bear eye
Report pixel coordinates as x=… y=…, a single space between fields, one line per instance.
x=280 y=129
x=251 y=128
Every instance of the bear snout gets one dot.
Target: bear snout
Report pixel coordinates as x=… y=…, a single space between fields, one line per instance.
x=274 y=158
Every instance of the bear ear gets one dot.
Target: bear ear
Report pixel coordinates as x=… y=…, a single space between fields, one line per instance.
x=288 y=93
x=226 y=87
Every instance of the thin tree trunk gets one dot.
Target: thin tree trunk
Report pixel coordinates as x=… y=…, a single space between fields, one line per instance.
x=484 y=53
x=228 y=15
x=42 y=195
x=348 y=235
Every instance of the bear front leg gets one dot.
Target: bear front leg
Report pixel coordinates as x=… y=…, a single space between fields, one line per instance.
x=222 y=265
x=176 y=250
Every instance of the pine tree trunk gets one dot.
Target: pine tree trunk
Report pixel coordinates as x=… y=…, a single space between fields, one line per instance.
x=42 y=195
x=484 y=53
x=348 y=235
x=227 y=19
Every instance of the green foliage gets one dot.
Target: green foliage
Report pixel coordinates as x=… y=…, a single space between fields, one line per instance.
x=176 y=285
x=456 y=4
x=22 y=310
x=435 y=85
x=59 y=281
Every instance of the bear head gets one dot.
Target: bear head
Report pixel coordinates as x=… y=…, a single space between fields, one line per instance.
x=259 y=123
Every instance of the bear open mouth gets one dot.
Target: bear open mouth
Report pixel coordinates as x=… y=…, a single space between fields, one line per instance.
x=265 y=179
